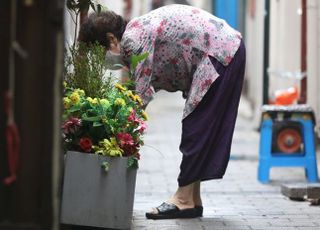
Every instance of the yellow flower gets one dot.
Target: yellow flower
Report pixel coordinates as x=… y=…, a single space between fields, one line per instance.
x=120 y=102
x=130 y=94
x=75 y=98
x=64 y=84
x=66 y=102
x=94 y=101
x=145 y=115
x=120 y=87
x=80 y=92
x=110 y=147
x=138 y=99
x=89 y=99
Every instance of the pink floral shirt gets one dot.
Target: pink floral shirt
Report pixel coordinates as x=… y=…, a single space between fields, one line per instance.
x=179 y=40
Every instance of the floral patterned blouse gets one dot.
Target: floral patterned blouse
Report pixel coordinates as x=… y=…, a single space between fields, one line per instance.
x=179 y=40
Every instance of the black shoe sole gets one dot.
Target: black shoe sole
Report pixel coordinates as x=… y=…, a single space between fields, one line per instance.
x=180 y=214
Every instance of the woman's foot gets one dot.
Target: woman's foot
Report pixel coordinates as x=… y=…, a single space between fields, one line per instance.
x=197 y=194
x=171 y=211
x=197 y=198
x=186 y=203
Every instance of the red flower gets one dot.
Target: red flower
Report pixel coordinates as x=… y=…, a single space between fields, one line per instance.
x=132 y=117
x=71 y=125
x=85 y=144
x=130 y=150
x=125 y=139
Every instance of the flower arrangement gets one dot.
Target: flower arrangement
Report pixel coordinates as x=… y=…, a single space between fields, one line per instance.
x=111 y=126
x=99 y=116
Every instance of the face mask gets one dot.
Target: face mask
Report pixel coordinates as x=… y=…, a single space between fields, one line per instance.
x=113 y=60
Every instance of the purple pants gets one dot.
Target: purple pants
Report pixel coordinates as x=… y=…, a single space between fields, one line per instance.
x=207 y=132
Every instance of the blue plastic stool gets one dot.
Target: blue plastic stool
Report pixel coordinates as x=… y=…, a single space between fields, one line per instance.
x=307 y=159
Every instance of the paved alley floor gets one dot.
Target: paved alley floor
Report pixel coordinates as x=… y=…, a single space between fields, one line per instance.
x=238 y=201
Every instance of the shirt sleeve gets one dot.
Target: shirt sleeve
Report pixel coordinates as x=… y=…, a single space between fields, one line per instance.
x=142 y=76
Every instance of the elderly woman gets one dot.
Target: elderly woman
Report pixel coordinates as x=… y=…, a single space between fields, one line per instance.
x=193 y=52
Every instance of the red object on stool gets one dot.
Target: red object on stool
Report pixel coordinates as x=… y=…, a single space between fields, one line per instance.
x=289 y=140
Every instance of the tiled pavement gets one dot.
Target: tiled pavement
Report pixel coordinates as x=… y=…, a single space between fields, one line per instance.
x=238 y=201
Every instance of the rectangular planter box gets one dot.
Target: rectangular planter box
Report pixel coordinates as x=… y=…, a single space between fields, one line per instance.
x=94 y=197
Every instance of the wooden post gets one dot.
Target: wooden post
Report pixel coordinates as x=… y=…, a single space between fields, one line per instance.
x=4 y=72
x=266 y=53
x=303 y=86
x=38 y=74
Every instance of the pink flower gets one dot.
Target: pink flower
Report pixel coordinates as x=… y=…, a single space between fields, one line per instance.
x=142 y=126
x=132 y=117
x=125 y=139
x=71 y=125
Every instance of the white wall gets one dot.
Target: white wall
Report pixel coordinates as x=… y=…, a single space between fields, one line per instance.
x=285 y=28
x=313 y=58
x=285 y=39
x=254 y=69
x=204 y=4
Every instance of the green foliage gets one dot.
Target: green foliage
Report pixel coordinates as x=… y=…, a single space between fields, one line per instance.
x=105 y=165
x=85 y=69
x=135 y=59
x=133 y=163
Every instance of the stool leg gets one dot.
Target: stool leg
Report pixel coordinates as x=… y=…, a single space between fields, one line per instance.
x=263 y=172
x=312 y=173
x=310 y=151
x=265 y=151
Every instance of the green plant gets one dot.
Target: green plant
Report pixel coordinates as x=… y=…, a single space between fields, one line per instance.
x=85 y=68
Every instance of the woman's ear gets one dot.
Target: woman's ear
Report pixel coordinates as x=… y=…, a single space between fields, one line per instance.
x=114 y=43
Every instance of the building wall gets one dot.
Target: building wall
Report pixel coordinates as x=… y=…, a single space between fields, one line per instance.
x=313 y=58
x=254 y=44
x=285 y=39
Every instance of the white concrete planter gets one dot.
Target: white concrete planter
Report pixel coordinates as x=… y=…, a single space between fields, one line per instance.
x=93 y=197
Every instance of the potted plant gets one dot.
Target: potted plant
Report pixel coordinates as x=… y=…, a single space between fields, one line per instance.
x=102 y=137
x=103 y=127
